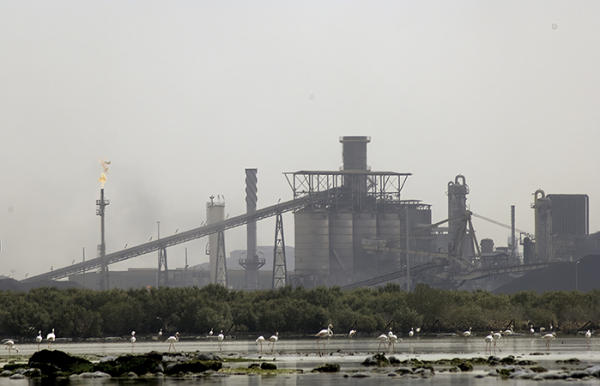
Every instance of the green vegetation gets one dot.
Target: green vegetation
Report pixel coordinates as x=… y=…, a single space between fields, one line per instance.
x=86 y=313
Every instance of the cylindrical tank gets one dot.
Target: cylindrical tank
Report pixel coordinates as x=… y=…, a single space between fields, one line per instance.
x=528 y=251
x=215 y=212
x=365 y=227
x=543 y=226
x=341 y=260
x=487 y=246
x=389 y=228
x=312 y=243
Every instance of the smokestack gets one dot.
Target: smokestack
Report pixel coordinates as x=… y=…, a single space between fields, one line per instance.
x=513 y=246
x=252 y=264
x=100 y=205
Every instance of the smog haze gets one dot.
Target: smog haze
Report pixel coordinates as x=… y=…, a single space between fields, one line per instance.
x=182 y=96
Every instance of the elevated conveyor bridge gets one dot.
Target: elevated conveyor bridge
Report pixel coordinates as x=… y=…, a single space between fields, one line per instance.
x=182 y=237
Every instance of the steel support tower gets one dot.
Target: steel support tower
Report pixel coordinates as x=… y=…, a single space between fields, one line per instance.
x=221 y=264
x=100 y=205
x=163 y=268
x=279 y=261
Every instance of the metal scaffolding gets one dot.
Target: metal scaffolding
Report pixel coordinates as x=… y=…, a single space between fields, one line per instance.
x=163 y=269
x=221 y=264
x=279 y=260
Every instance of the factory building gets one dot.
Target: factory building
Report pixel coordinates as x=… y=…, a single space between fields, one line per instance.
x=339 y=241
x=561 y=228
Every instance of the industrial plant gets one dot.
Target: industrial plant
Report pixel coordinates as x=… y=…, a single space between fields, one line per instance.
x=353 y=227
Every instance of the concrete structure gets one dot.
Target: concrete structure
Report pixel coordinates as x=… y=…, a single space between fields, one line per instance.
x=215 y=212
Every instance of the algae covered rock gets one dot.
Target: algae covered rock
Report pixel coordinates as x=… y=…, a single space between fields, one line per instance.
x=268 y=366
x=139 y=364
x=328 y=368
x=51 y=363
x=376 y=360
x=193 y=366
x=465 y=366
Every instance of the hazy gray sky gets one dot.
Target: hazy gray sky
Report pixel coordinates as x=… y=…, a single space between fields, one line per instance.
x=181 y=96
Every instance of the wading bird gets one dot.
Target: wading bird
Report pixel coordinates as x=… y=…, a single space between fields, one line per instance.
x=210 y=333
x=260 y=340
x=9 y=345
x=411 y=333
x=548 y=338
x=132 y=340
x=38 y=339
x=588 y=338
x=50 y=337
x=488 y=342
x=324 y=334
x=392 y=339
x=273 y=339
x=172 y=339
x=220 y=338
x=352 y=333
x=467 y=333
x=383 y=340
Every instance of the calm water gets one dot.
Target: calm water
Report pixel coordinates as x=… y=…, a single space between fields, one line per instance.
x=302 y=354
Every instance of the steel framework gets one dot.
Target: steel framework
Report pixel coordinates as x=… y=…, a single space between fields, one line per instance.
x=163 y=269
x=221 y=263
x=380 y=185
x=279 y=260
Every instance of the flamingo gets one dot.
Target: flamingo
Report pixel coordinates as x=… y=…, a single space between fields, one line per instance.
x=220 y=338
x=531 y=329
x=324 y=333
x=497 y=336
x=548 y=338
x=418 y=330
x=411 y=333
x=9 y=344
x=392 y=339
x=38 y=339
x=588 y=337
x=50 y=337
x=383 y=339
x=352 y=333
x=509 y=330
x=132 y=340
x=172 y=339
x=273 y=339
x=488 y=342
x=260 y=340
x=467 y=333
x=160 y=333
x=210 y=333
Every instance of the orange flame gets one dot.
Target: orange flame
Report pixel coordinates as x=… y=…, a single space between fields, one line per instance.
x=102 y=178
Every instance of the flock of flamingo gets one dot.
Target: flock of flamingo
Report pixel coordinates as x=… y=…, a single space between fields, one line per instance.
x=322 y=338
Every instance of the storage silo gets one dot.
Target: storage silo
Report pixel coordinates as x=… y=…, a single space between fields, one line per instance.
x=311 y=232
x=389 y=229
x=365 y=227
x=341 y=241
